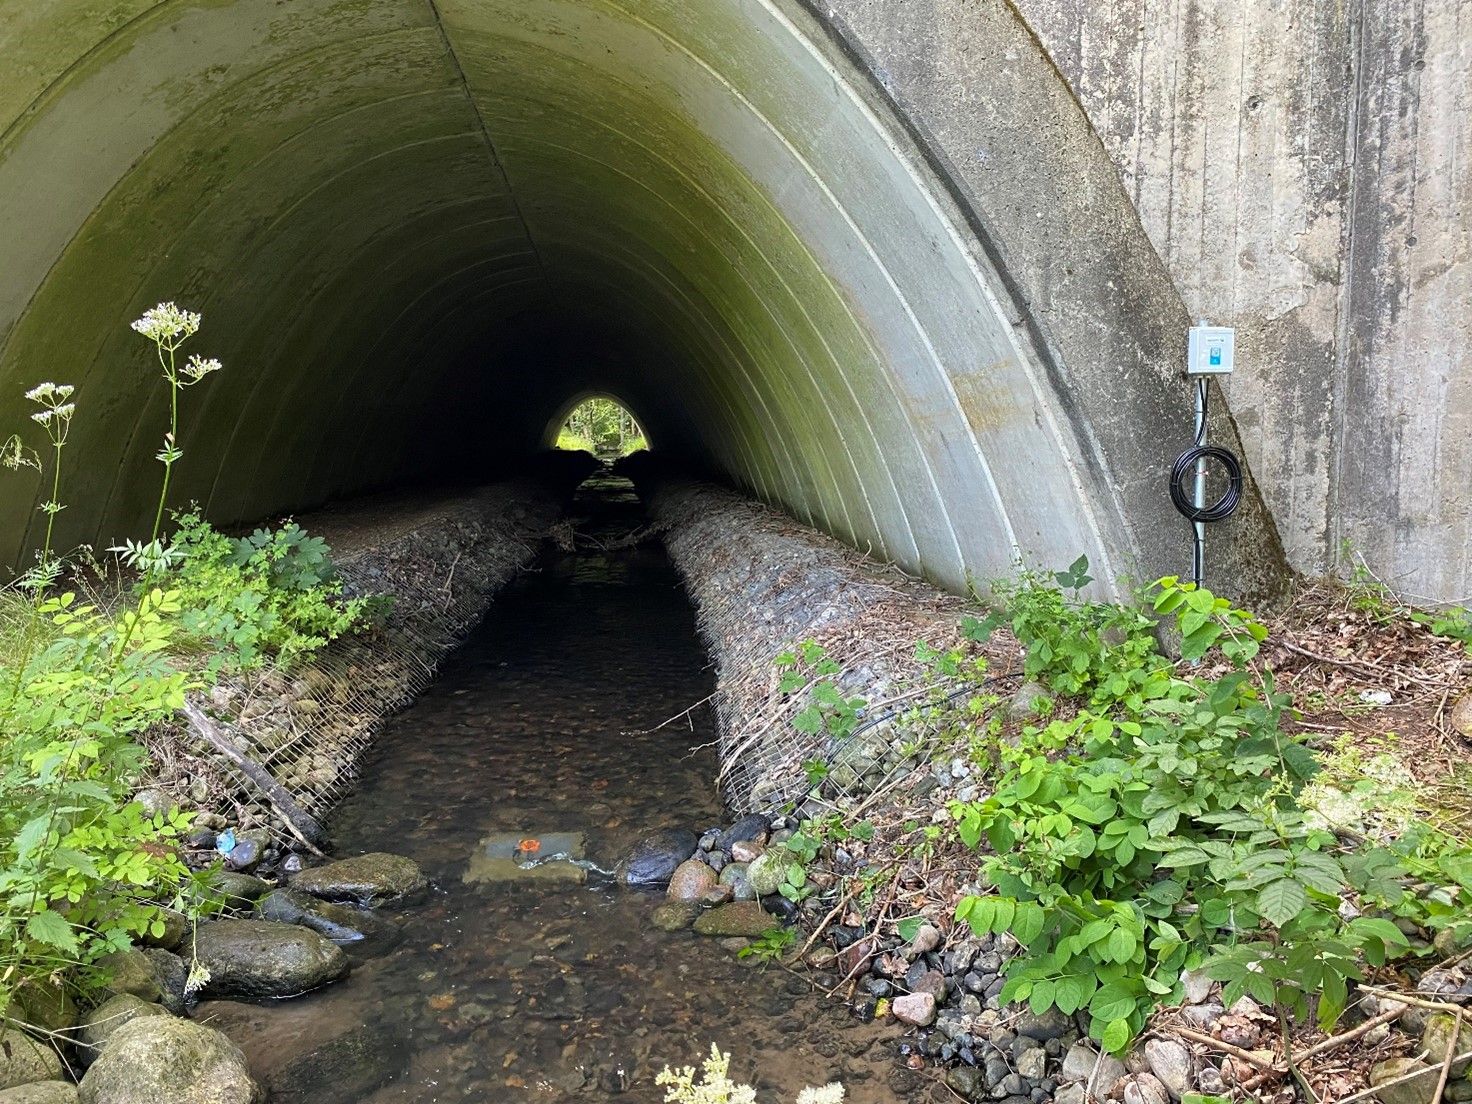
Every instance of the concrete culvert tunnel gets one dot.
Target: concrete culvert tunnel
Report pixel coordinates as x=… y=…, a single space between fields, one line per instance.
x=416 y=231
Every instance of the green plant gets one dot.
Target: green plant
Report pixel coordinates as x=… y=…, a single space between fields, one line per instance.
x=1073 y=647
x=770 y=946
x=1158 y=828
x=273 y=594
x=809 y=668
x=168 y=328
x=83 y=870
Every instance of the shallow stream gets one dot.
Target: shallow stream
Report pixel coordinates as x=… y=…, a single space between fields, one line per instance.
x=545 y=722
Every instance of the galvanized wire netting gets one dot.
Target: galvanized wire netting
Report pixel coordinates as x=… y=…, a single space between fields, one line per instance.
x=762 y=583
x=308 y=727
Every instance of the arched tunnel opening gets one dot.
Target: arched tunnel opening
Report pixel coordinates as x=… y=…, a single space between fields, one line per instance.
x=440 y=245
x=415 y=230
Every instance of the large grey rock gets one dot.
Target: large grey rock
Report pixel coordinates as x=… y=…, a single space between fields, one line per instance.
x=43 y=1005
x=675 y=915
x=41 y=1092
x=239 y=890
x=103 y=1022
x=24 y=1059
x=654 y=859
x=150 y=973
x=257 y=959
x=368 y=880
x=304 y=1057
x=164 y=1060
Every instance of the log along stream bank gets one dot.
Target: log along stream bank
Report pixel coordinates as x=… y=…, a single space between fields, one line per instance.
x=550 y=983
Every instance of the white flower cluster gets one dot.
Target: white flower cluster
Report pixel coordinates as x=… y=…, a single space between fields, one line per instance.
x=167 y=325
x=832 y=1093
x=197 y=367
x=716 y=1087
x=51 y=394
x=57 y=412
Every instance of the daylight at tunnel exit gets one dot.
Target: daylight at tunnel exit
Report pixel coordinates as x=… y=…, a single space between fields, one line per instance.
x=735 y=552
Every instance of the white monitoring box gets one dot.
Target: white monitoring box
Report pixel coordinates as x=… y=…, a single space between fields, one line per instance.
x=1210 y=350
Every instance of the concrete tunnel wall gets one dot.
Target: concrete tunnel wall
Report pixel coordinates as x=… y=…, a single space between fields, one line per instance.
x=415 y=230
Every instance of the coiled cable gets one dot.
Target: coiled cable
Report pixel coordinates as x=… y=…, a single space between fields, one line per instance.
x=1183 y=474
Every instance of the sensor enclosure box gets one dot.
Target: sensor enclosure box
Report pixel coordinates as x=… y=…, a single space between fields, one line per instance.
x=1210 y=350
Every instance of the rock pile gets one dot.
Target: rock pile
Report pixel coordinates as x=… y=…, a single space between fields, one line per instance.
x=722 y=883
x=134 y=1045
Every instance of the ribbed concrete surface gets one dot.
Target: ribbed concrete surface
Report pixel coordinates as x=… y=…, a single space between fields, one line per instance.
x=416 y=229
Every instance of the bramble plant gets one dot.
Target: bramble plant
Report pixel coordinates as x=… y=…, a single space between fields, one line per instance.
x=1159 y=830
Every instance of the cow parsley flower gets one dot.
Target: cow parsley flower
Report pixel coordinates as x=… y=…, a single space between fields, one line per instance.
x=831 y=1093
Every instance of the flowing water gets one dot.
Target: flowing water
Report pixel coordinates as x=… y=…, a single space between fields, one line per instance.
x=545 y=722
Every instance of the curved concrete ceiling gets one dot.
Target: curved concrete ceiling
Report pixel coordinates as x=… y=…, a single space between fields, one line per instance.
x=415 y=230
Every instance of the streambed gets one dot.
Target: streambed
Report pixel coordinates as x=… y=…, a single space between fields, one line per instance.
x=546 y=989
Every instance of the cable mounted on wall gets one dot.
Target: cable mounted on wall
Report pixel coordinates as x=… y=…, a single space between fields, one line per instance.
x=1210 y=353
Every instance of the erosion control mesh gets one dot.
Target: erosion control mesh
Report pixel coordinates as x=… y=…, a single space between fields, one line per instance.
x=763 y=583
x=292 y=740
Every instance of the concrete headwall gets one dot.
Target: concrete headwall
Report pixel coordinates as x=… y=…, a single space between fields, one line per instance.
x=1305 y=172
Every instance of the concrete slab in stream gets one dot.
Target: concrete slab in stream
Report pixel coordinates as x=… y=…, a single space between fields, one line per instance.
x=527 y=856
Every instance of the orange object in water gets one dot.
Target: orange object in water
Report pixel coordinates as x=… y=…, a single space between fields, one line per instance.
x=530 y=845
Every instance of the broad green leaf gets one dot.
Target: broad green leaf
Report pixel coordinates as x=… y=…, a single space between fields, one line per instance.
x=1280 y=901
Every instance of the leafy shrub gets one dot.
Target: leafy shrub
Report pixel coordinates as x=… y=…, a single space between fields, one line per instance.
x=83 y=870
x=1159 y=829
x=271 y=594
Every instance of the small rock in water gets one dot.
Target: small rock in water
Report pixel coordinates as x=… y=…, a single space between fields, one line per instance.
x=718 y=895
x=743 y=918
x=691 y=881
x=916 y=1009
x=369 y=880
x=338 y=923
x=675 y=915
x=258 y=959
x=654 y=859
